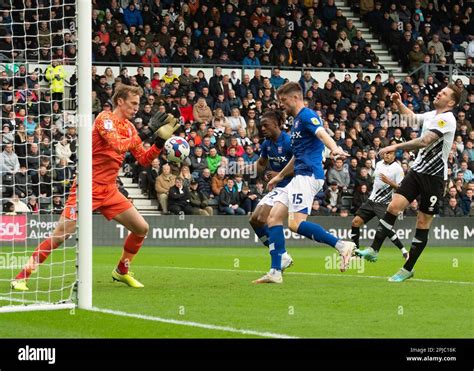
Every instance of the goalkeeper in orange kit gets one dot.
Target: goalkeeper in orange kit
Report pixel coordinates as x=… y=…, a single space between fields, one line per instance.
x=112 y=136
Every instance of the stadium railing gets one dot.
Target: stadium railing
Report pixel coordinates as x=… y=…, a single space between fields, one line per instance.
x=292 y=73
x=452 y=71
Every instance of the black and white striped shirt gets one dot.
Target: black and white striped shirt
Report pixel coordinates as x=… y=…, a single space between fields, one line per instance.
x=382 y=192
x=432 y=160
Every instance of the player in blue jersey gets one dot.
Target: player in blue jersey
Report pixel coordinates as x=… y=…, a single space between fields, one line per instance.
x=308 y=140
x=276 y=153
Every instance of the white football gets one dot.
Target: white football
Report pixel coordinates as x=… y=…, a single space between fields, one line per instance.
x=177 y=149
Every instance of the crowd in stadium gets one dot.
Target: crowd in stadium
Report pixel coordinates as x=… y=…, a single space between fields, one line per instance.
x=221 y=113
x=420 y=32
x=284 y=33
x=222 y=126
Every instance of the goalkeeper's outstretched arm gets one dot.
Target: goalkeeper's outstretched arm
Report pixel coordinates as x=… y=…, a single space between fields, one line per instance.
x=164 y=125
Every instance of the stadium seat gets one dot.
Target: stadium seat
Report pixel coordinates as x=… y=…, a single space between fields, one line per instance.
x=346 y=202
x=459 y=58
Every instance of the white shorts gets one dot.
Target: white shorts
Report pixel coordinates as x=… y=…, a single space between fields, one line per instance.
x=270 y=197
x=299 y=194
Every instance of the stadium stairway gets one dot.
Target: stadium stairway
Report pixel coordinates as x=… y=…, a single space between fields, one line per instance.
x=141 y=202
x=385 y=58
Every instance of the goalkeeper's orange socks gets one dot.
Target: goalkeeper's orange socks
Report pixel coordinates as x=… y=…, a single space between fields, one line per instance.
x=130 y=249
x=40 y=254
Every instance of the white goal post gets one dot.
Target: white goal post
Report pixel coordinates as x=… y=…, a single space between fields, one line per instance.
x=84 y=70
x=64 y=280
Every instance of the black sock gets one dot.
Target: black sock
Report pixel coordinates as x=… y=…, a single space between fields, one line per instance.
x=417 y=245
x=355 y=235
x=383 y=230
x=396 y=241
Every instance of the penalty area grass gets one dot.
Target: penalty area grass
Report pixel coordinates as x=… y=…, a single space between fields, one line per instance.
x=207 y=293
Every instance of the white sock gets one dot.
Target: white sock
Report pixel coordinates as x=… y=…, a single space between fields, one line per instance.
x=340 y=245
x=275 y=272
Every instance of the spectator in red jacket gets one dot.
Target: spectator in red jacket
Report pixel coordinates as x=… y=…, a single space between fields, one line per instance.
x=194 y=136
x=186 y=110
x=239 y=150
x=150 y=59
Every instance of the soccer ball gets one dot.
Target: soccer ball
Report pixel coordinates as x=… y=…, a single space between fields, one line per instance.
x=177 y=149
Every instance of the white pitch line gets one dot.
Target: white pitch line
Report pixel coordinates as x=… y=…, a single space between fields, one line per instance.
x=192 y=324
x=22 y=301
x=313 y=274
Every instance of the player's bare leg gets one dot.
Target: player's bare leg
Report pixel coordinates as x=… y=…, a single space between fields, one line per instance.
x=138 y=227
x=297 y=223
x=258 y=221
x=419 y=241
x=63 y=230
x=398 y=204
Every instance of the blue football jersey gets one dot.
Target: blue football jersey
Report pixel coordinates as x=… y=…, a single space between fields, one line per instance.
x=278 y=153
x=307 y=147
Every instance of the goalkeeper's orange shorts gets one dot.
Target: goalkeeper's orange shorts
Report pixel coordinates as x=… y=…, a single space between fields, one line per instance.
x=106 y=198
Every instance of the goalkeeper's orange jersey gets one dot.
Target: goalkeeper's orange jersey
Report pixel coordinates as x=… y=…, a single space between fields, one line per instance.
x=111 y=139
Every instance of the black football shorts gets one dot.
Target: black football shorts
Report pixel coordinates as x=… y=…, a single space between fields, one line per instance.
x=430 y=189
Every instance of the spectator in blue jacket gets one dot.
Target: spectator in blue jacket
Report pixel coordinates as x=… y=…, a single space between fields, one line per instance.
x=250 y=156
x=251 y=60
x=468 y=176
x=276 y=80
x=132 y=16
x=261 y=37
x=229 y=200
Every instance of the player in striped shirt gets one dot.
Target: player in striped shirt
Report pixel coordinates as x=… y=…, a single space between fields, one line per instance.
x=426 y=179
x=387 y=176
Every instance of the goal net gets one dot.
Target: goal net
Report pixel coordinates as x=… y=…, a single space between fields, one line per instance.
x=39 y=157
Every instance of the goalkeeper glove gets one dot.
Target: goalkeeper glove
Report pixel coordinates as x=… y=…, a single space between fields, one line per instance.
x=164 y=125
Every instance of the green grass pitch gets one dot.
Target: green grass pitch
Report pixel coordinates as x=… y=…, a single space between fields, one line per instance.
x=195 y=287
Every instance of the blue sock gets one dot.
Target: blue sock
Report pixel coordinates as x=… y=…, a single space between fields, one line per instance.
x=277 y=245
x=262 y=233
x=317 y=233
